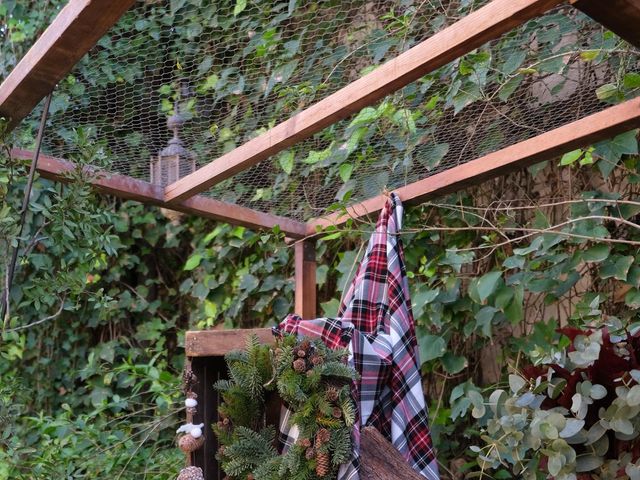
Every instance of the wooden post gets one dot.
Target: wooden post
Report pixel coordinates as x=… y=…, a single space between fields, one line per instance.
x=305 y=275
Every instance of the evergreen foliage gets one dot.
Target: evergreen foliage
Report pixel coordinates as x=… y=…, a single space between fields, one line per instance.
x=313 y=381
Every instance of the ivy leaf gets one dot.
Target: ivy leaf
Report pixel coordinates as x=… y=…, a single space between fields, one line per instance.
x=431 y=155
x=631 y=80
x=513 y=62
x=431 y=347
x=345 y=171
x=240 y=6
x=616 y=266
x=571 y=157
x=596 y=253
x=632 y=298
x=286 y=162
x=193 y=262
x=606 y=91
x=487 y=284
x=453 y=363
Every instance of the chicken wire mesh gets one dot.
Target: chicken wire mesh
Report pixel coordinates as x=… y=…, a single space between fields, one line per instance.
x=235 y=69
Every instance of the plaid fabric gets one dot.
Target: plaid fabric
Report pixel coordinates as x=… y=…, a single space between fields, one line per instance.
x=376 y=323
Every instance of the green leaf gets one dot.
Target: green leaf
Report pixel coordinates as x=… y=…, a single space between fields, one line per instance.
x=193 y=262
x=571 y=157
x=345 y=171
x=453 y=363
x=631 y=80
x=431 y=347
x=589 y=55
x=632 y=298
x=616 y=266
x=286 y=161
x=432 y=154
x=606 y=91
x=240 y=6
x=596 y=253
x=513 y=62
x=487 y=284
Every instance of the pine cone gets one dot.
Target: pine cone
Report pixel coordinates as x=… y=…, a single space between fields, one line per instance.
x=299 y=365
x=191 y=473
x=332 y=394
x=337 y=412
x=305 y=442
x=322 y=436
x=189 y=380
x=188 y=444
x=323 y=463
x=317 y=360
x=301 y=353
x=305 y=344
x=309 y=453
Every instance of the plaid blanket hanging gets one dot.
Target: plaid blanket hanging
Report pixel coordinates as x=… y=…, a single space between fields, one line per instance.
x=376 y=323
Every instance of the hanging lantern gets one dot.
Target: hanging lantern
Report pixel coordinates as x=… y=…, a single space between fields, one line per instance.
x=174 y=161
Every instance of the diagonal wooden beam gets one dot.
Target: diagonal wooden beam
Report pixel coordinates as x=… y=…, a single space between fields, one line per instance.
x=132 y=189
x=622 y=17
x=487 y=23
x=75 y=30
x=593 y=128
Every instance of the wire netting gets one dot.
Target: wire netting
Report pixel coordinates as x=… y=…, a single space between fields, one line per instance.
x=234 y=69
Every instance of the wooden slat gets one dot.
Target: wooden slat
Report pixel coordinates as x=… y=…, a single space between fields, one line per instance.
x=211 y=343
x=76 y=29
x=593 y=128
x=133 y=189
x=305 y=275
x=620 y=16
x=381 y=460
x=472 y=31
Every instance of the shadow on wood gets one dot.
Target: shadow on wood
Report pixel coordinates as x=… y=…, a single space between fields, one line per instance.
x=380 y=459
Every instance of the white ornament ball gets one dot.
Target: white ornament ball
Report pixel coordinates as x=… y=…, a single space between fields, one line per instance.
x=196 y=432
x=190 y=402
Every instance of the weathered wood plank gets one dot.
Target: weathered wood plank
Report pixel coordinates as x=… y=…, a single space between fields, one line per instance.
x=212 y=343
x=593 y=128
x=76 y=29
x=133 y=189
x=305 y=276
x=380 y=459
x=620 y=16
x=472 y=31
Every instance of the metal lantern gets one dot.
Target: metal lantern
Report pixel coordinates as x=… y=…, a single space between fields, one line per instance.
x=174 y=161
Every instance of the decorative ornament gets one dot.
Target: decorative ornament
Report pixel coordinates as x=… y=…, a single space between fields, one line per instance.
x=188 y=443
x=190 y=403
x=191 y=473
x=190 y=428
x=288 y=369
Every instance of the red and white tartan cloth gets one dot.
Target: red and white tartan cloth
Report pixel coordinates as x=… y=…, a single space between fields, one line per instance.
x=376 y=323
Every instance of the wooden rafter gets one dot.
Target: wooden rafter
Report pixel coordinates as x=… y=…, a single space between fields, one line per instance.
x=133 y=189
x=620 y=16
x=469 y=33
x=593 y=128
x=75 y=30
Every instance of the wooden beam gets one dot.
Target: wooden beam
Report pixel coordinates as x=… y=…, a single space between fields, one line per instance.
x=132 y=189
x=620 y=16
x=75 y=30
x=305 y=276
x=593 y=128
x=215 y=343
x=486 y=23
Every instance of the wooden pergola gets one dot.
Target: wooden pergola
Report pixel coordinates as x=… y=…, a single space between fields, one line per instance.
x=82 y=23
